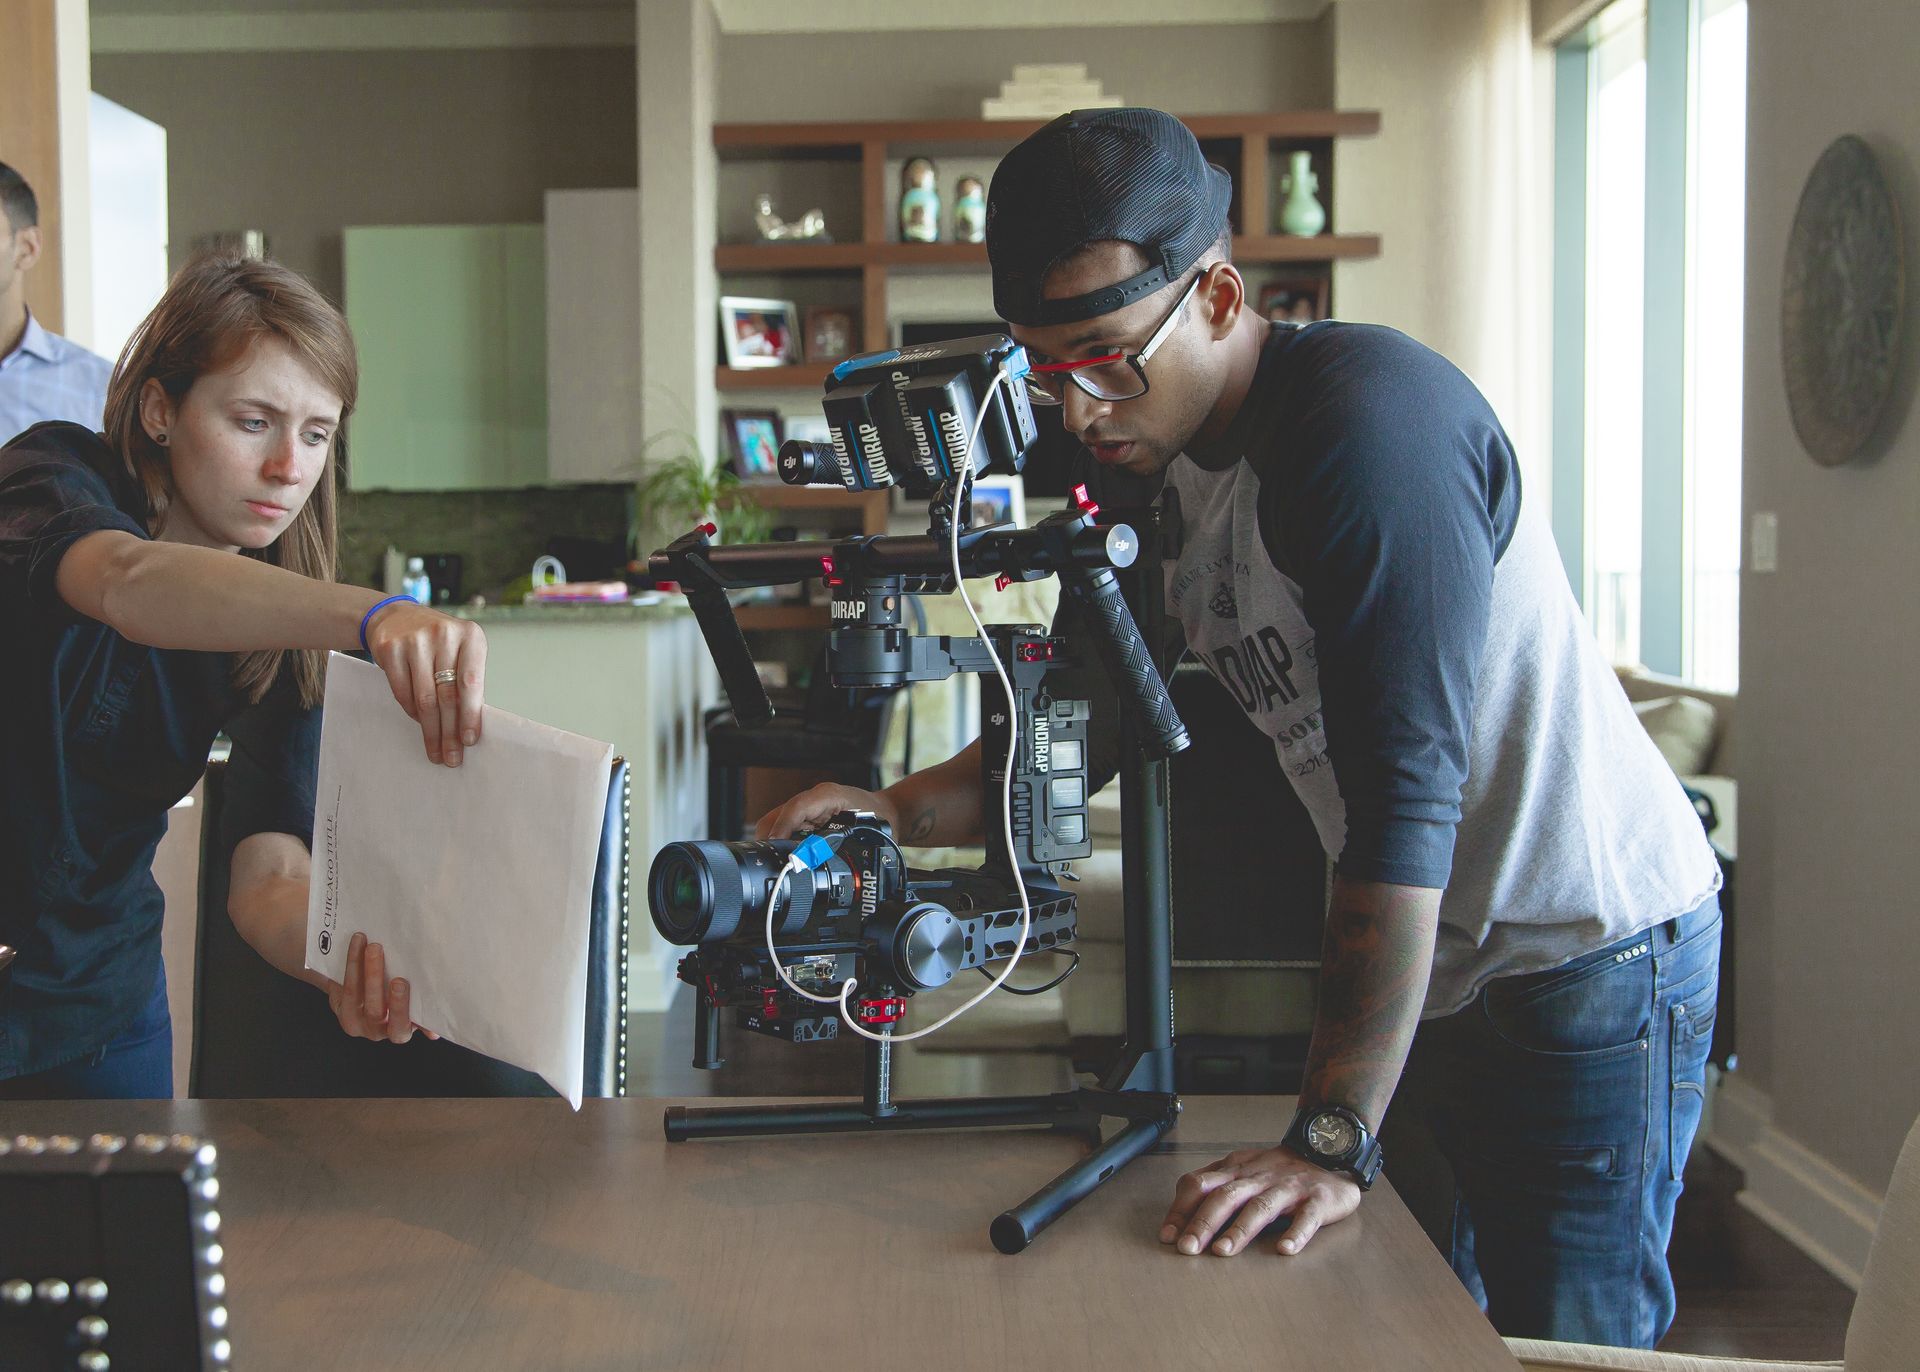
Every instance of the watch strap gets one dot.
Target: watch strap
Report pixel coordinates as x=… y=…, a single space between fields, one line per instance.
x=1367 y=1161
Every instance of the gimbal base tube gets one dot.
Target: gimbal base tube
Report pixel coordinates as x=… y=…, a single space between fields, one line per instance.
x=877 y=1080
x=1016 y=1228
x=838 y=1117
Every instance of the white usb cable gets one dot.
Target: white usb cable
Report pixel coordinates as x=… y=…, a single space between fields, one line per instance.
x=795 y=864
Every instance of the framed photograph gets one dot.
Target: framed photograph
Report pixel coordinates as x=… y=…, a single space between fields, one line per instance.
x=811 y=427
x=832 y=333
x=753 y=442
x=759 y=333
x=999 y=500
x=1294 y=299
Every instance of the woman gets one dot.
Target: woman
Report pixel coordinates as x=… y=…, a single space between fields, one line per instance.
x=160 y=582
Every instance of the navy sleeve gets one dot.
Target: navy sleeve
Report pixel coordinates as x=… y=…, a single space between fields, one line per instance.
x=1399 y=495
x=272 y=769
x=49 y=500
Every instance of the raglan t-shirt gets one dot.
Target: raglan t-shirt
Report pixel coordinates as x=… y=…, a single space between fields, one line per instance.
x=1358 y=566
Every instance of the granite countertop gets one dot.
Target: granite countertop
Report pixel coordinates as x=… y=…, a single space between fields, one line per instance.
x=628 y=612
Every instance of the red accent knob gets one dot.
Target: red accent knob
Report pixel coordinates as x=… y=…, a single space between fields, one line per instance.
x=1001 y=582
x=709 y=528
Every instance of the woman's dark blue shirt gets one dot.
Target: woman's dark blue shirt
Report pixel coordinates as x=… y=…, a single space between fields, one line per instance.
x=99 y=737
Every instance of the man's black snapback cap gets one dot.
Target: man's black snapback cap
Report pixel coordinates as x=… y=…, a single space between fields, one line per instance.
x=1136 y=175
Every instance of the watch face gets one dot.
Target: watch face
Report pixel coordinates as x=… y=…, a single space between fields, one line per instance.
x=1331 y=1135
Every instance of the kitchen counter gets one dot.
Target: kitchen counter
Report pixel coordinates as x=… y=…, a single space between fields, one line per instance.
x=577 y=612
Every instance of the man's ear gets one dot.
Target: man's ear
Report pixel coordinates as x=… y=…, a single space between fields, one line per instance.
x=26 y=247
x=156 y=409
x=1225 y=294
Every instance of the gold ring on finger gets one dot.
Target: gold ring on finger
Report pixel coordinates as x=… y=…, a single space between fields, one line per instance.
x=446 y=676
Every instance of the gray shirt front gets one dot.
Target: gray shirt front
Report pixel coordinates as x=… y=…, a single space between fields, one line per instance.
x=1357 y=566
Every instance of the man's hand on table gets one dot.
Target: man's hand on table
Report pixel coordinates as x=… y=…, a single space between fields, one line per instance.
x=1227 y=1203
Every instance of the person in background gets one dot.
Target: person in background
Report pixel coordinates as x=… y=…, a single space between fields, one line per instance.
x=160 y=582
x=42 y=375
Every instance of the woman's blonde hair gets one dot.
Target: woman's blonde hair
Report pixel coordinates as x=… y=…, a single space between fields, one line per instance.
x=217 y=307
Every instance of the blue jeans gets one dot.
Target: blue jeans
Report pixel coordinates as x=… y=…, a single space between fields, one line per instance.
x=137 y=1064
x=1540 y=1133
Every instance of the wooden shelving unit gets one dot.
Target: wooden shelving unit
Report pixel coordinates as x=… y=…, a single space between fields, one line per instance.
x=1243 y=142
x=833 y=257
x=872 y=508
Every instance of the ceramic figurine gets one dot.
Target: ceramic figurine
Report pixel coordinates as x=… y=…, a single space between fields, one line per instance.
x=919 y=201
x=812 y=224
x=970 y=211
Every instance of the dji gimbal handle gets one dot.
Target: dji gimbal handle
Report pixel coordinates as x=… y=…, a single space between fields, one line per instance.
x=1123 y=652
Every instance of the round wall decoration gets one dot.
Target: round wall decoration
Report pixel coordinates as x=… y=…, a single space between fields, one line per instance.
x=1842 y=303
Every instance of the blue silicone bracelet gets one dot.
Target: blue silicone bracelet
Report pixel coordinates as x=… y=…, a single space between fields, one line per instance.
x=367 y=618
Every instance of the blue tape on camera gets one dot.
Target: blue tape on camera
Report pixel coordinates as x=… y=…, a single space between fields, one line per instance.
x=813 y=851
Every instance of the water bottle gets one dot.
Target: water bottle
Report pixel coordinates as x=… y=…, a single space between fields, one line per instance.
x=415 y=582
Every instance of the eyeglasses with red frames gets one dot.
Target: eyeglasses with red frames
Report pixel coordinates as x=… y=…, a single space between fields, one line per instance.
x=1115 y=376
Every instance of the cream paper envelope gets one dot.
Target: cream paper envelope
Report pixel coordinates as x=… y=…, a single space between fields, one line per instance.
x=476 y=880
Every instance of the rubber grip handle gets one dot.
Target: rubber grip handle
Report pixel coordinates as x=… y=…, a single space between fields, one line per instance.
x=728 y=648
x=1124 y=654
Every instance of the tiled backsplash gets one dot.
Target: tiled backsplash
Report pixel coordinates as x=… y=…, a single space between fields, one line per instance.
x=498 y=534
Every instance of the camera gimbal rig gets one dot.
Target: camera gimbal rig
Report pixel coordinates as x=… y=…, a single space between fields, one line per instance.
x=911 y=934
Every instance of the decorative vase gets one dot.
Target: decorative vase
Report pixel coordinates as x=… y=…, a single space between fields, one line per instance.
x=1301 y=215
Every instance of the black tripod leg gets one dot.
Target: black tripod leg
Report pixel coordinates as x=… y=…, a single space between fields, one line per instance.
x=1018 y=1227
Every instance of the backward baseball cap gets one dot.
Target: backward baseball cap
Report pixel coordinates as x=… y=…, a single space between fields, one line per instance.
x=1136 y=175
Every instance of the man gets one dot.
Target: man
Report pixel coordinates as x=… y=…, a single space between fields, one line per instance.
x=1520 y=877
x=42 y=375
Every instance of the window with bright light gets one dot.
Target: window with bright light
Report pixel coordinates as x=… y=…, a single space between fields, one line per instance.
x=1616 y=326
x=1658 y=451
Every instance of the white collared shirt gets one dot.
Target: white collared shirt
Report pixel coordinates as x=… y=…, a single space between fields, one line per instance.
x=50 y=377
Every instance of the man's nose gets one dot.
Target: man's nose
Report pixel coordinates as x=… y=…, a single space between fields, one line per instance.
x=1080 y=411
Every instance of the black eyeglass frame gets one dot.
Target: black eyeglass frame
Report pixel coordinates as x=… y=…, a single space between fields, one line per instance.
x=1136 y=361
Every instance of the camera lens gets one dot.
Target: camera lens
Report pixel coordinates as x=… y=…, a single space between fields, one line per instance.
x=705 y=892
x=680 y=888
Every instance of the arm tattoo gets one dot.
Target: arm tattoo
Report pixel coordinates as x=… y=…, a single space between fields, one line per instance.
x=1373 y=982
x=920 y=826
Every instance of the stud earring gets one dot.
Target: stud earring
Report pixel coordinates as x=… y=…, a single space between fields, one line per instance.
x=161 y=439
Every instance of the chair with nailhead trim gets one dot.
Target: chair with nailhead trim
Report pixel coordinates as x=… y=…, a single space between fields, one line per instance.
x=257 y=1033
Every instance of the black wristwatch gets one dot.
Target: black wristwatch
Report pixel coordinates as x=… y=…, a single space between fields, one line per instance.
x=1332 y=1136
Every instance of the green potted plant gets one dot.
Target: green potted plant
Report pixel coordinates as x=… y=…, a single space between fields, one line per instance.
x=685 y=489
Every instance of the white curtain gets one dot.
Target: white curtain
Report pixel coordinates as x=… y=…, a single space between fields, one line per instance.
x=1458 y=185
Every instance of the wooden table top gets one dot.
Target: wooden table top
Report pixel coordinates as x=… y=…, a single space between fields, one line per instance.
x=503 y=1234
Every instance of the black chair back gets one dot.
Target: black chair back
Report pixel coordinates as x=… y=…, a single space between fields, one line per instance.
x=258 y=1033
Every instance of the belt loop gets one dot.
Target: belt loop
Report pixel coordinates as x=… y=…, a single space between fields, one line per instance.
x=1673 y=930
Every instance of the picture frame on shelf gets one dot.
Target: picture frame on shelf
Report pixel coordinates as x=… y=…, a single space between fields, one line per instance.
x=1294 y=300
x=832 y=333
x=757 y=332
x=813 y=428
x=998 y=499
x=753 y=443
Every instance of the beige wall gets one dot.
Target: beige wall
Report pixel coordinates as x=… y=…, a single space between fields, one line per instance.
x=1829 y=936
x=1202 y=69
x=303 y=144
